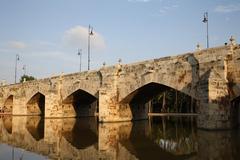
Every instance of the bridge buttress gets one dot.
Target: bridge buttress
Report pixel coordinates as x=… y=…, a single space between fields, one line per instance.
x=221 y=86
x=53 y=106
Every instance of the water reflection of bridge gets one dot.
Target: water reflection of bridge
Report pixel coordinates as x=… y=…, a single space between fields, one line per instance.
x=86 y=139
x=52 y=137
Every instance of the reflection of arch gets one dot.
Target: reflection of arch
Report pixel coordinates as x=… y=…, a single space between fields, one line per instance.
x=8 y=105
x=7 y=122
x=36 y=104
x=82 y=135
x=35 y=126
x=143 y=145
x=80 y=103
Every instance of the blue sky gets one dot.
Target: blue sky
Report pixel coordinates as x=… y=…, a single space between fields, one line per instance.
x=47 y=33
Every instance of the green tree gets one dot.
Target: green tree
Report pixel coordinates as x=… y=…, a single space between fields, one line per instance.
x=26 y=78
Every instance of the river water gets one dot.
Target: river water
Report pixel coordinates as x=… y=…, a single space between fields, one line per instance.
x=26 y=137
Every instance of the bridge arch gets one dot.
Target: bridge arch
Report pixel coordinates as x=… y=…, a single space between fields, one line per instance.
x=134 y=84
x=156 y=97
x=36 y=104
x=8 y=105
x=80 y=103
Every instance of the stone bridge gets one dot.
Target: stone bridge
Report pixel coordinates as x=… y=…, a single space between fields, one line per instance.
x=121 y=92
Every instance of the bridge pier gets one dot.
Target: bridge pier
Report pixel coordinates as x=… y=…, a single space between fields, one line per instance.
x=217 y=89
x=53 y=106
x=19 y=106
x=109 y=108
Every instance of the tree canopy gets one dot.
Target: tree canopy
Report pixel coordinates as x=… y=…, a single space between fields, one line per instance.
x=26 y=78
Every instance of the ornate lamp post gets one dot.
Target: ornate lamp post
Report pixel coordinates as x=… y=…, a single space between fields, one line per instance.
x=24 y=69
x=80 y=59
x=90 y=33
x=205 y=20
x=17 y=59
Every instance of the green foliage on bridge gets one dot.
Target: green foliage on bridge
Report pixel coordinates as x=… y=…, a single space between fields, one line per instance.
x=26 y=78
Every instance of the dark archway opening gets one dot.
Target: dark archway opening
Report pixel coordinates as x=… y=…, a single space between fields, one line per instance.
x=157 y=98
x=80 y=104
x=8 y=105
x=36 y=105
x=235 y=112
x=35 y=126
x=173 y=101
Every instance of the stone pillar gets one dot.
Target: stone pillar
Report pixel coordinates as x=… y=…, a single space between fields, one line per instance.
x=53 y=101
x=19 y=105
x=53 y=107
x=110 y=110
x=215 y=108
x=215 y=112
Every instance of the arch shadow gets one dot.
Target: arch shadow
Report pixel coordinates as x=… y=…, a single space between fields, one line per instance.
x=36 y=104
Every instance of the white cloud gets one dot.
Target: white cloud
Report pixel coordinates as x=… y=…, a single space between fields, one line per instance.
x=16 y=45
x=43 y=58
x=227 y=8
x=78 y=37
x=166 y=9
x=139 y=1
